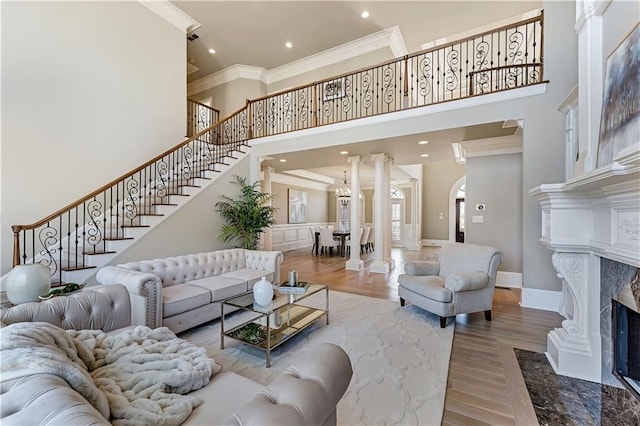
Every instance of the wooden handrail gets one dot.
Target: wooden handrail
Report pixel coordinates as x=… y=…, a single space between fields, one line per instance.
x=203 y=105
x=18 y=228
x=502 y=67
x=532 y=65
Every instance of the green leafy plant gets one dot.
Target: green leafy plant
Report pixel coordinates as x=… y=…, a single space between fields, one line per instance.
x=247 y=215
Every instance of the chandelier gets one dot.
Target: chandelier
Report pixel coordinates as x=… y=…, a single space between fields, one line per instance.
x=344 y=192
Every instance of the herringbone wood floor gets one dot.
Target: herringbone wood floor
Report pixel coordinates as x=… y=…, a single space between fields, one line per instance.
x=485 y=386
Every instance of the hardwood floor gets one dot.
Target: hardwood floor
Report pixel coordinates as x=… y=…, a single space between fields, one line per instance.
x=485 y=386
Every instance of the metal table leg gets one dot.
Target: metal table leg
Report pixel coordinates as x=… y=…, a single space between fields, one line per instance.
x=221 y=325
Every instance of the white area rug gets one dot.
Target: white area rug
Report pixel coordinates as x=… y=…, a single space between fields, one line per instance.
x=400 y=358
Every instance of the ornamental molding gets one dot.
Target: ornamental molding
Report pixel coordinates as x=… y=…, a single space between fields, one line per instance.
x=171 y=14
x=572 y=269
x=390 y=37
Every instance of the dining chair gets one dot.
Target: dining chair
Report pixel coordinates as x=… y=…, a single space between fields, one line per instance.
x=364 y=237
x=327 y=242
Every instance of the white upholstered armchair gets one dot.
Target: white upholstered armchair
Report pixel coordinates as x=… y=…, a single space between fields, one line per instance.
x=461 y=281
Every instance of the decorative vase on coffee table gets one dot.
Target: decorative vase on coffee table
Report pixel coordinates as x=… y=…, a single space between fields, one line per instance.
x=262 y=292
x=26 y=282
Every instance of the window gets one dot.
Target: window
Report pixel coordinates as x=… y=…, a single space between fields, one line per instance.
x=397 y=208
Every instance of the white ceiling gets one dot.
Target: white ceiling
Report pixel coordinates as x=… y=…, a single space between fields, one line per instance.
x=254 y=33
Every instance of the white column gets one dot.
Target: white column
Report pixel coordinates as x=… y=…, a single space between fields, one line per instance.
x=590 y=76
x=386 y=195
x=355 y=263
x=266 y=187
x=415 y=216
x=379 y=265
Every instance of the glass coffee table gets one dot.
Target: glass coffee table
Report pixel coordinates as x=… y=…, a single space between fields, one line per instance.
x=274 y=324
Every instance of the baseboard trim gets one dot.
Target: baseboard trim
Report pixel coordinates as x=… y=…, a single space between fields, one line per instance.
x=438 y=243
x=545 y=300
x=509 y=279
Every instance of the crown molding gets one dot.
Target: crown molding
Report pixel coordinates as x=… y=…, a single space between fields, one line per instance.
x=492 y=146
x=304 y=174
x=191 y=68
x=396 y=43
x=171 y=14
x=299 y=182
x=458 y=153
x=570 y=102
x=226 y=75
x=390 y=37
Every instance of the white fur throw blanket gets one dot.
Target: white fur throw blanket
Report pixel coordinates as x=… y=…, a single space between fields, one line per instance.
x=135 y=377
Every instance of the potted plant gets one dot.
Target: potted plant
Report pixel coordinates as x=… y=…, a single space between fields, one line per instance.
x=246 y=216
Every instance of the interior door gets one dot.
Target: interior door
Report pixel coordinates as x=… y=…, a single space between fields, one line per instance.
x=459 y=220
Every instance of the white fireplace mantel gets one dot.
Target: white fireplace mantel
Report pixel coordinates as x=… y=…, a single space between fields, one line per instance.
x=594 y=215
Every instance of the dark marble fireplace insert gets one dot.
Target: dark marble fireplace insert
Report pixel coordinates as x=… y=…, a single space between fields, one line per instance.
x=626 y=347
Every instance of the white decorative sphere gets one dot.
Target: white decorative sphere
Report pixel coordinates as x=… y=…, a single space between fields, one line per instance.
x=262 y=292
x=26 y=282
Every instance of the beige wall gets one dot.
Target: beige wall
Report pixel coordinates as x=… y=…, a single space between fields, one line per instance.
x=437 y=179
x=368 y=205
x=407 y=203
x=231 y=96
x=317 y=206
x=90 y=90
x=496 y=182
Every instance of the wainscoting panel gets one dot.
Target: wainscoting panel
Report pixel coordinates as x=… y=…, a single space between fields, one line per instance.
x=293 y=236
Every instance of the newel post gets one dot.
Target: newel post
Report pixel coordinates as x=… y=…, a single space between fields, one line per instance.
x=316 y=104
x=249 y=120
x=406 y=81
x=16 y=245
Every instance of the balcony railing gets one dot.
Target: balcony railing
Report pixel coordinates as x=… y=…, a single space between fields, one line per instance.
x=200 y=117
x=502 y=59
x=505 y=58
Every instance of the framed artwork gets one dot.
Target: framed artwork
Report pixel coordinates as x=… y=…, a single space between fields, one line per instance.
x=333 y=89
x=297 y=206
x=620 y=119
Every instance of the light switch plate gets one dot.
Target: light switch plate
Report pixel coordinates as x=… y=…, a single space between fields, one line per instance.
x=477 y=219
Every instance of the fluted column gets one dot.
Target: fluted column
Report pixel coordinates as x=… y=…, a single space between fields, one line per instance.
x=415 y=243
x=266 y=187
x=355 y=263
x=386 y=195
x=379 y=265
x=589 y=26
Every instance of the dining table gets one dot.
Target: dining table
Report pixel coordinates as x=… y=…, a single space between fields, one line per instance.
x=342 y=249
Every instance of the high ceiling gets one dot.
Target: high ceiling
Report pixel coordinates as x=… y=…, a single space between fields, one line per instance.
x=254 y=33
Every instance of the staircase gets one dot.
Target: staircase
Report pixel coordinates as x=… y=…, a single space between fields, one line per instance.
x=76 y=240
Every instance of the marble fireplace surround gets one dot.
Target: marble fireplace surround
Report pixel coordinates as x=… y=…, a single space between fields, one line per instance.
x=584 y=220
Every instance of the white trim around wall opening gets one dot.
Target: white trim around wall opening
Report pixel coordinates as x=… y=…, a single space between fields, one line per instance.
x=452 y=206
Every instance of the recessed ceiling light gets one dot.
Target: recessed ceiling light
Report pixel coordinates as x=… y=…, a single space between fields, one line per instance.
x=344 y=152
x=212 y=51
x=423 y=142
x=424 y=155
x=364 y=14
x=289 y=44
x=283 y=160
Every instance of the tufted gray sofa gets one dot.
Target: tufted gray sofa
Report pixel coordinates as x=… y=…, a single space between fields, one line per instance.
x=305 y=393
x=184 y=291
